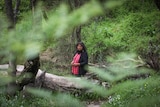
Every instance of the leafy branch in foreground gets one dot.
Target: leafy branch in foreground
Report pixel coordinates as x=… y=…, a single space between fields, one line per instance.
x=121 y=67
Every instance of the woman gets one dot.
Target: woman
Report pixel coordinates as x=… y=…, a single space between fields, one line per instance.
x=80 y=60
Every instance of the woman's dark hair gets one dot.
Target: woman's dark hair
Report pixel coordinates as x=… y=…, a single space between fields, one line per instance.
x=82 y=44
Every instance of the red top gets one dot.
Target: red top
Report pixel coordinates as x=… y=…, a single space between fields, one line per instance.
x=75 y=69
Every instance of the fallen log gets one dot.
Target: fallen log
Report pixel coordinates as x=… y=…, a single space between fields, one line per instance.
x=50 y=81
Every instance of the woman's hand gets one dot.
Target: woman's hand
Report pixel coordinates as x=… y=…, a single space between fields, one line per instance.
x=72 y=63
x=76 y=64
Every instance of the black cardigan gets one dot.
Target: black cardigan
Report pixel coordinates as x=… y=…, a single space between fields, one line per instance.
x=83 y=62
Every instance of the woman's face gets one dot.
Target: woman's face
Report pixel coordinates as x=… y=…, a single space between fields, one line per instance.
x=79 y=47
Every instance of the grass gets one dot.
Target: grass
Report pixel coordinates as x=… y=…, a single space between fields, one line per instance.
x=129 y=93
x=138 y=93
x=21 y=101
x=30 y=100
x=56 y=69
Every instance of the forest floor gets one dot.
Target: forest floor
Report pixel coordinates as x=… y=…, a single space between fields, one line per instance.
x=95 y=104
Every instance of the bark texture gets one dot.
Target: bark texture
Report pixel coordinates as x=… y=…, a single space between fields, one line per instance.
x=46 y=80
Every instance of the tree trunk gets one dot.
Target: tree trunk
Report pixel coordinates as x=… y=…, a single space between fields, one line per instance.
x=33 y=3
x=77 y=30
x=45 y=15
x=11 y=87
x=30 y=67
x=12 y=17
x=9 y=13
x=157 y=2
x=45 y=80
x=16 y=10
x=64 y=84
x=76 y=34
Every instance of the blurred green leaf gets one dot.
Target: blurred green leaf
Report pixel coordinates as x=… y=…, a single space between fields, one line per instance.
x=66 y=100
x=32 y=50
x=40 y=92
x=110 y=4
x=124 y=65
x=4 y=78
x=91 y=86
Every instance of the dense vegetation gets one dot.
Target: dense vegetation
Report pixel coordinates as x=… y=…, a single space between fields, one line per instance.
x=129 y=28
x=123 y=36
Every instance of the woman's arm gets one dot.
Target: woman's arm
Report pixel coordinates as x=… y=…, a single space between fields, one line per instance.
x=85 y=59
x=72 y=63
x=76 y=64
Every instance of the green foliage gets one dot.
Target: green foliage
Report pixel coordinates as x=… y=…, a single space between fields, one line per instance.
x=67 y=21
x=129 y=92
x=1 y=5
x=139 y=93
x=54 y=69
x=27 y=40
x=5 y=79
x=94 y=37
x=126 y=28
x=124 y=65
x=24 y=101
x=62 y=100
x=34 y=32
x=58 y=100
